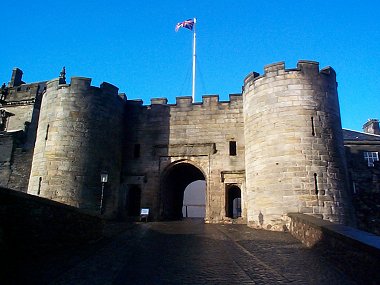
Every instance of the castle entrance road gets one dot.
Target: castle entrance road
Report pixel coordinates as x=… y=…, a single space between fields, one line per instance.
x=190 y=252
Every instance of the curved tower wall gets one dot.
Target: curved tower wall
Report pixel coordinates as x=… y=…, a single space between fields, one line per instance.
x=79 y=135
x=294 y=153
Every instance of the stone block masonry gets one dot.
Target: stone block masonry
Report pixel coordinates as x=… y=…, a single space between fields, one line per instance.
x=186 y=133
x=33 y=223
x=274 y=149
x=6 y=146
x=79 y=136
x=355 y=252
x=293 y=144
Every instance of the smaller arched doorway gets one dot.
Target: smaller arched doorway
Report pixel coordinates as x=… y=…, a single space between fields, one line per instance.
x=174 y=181
x=233 y=202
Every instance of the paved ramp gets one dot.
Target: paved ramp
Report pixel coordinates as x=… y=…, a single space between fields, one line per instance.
x=190 y=252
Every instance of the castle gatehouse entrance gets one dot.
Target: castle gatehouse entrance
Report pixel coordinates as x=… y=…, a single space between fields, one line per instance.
x=175 y=200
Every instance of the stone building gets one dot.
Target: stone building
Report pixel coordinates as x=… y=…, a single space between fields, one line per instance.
x=274 y=149
x=362 y=152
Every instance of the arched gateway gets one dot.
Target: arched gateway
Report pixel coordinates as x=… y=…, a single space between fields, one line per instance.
x=174 y=181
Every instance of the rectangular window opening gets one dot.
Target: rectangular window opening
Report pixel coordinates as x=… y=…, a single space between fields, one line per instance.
x=371 y=157
x=232 y=148
x=136 y=151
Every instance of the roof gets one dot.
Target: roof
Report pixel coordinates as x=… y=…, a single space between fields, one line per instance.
x=349 y=135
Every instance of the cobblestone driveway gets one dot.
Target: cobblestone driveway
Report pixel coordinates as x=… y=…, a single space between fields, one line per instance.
x=190 y=252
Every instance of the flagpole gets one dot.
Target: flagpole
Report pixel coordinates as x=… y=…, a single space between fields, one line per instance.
x=194 y=56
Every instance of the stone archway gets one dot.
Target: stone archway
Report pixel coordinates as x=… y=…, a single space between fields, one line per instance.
x=174 y=181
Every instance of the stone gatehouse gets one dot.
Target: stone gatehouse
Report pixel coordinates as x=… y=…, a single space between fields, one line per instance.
x=274 y=149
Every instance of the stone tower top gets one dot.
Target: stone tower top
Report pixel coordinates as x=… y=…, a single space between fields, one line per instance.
x=307 y=67
x=82 y=84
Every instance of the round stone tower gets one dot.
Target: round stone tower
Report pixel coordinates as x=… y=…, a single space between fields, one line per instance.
x=294 y=153
x=79 y=136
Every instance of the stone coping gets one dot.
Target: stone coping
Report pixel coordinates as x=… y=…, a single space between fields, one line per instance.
x=359 y=238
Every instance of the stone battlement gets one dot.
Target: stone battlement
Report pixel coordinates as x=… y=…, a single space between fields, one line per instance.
x=307 y=67
x=186 y=101
x=82 y=84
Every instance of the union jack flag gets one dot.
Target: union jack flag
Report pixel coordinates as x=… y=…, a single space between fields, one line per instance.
x=188 y=24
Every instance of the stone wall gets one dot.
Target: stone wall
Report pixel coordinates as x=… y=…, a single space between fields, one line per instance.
x=363 y=177
x=15 y=161
x=367 y=211
x=29 y=223
x=365 y=184
x=20 y=169
x=355 y=252
x=23 y=102
x=186 y=132
x=6 y=147
x=294 y=145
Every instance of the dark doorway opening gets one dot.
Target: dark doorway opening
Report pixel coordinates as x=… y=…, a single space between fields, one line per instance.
x=173 y=184
x=133 y=203
x=233 y=202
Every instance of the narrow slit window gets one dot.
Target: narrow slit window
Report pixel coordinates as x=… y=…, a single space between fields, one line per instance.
x=316 y=183
x=136 y=151
x=232 y=148
x=47 y=132
x=312 y=126
x=39 y=186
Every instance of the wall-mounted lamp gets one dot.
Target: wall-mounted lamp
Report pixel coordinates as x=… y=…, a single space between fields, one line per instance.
x=103 y=179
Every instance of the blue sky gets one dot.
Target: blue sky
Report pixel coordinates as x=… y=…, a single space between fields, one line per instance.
x=133 y=45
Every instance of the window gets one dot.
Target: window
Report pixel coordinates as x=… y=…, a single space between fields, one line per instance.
x=39 y=186
x=47 y=132
x=136 y=151
x=371 y=157
x=316 y=183
x=312 y=127
x=232 y=148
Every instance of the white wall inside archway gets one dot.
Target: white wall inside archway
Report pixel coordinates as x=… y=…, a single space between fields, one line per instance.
x=194 y=200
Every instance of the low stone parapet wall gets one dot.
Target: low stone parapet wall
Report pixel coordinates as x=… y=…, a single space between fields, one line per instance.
x=354 y=251
x=29 y=222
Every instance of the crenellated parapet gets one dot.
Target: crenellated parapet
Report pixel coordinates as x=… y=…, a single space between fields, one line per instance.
x=185 y=103
x=305 y=68
x=83 y=85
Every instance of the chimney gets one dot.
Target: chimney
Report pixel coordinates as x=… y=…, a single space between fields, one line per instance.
x=372 y=127
x=16 y=79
